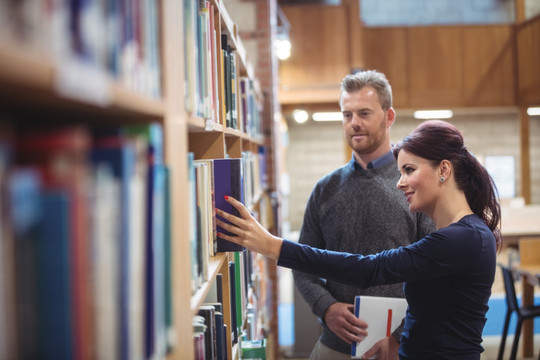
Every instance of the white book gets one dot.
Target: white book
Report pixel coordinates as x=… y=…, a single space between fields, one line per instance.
x=105 y=243
x=382 y=314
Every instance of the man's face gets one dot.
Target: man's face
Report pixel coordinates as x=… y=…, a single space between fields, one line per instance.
x=365 y=123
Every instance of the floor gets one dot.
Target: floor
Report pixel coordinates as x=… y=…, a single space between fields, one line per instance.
x=491 y=346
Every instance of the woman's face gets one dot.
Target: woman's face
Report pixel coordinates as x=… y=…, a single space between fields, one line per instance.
x=419 y=181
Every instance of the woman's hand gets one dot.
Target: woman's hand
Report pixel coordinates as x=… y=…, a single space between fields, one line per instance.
x=249 y=233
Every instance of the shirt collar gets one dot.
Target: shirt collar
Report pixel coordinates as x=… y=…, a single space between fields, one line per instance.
x=375 y=164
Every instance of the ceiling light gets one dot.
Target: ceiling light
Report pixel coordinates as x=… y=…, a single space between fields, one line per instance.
x=433 y=114
x=533 y=111
x=283 y=49
x=300 y=116
x=328 y=116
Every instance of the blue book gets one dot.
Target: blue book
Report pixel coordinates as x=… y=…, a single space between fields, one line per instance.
x=54 y=280
x=193 y=235
x=228 y=181
x=23 y=198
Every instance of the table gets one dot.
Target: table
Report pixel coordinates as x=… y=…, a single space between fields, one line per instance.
x=530 y=275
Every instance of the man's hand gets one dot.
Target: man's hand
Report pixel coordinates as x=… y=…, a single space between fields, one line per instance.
x=341 y=320
x=386 y=349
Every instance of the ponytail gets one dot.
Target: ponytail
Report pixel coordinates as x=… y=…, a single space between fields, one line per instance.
x=480 y=191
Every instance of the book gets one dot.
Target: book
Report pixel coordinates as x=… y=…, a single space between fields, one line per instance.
x=53 y=279
x=210 y=345
x=204 y=217
x=105 y=244
x=199 y=329
x=221 y=336
x=232 y=294
x=253 y=349
x=113 y=150
x=23 y=187
x=61 y=156
x=228 y=181
x=192 y=222
x=155 y=322
x=383 y=315
x=7 y=243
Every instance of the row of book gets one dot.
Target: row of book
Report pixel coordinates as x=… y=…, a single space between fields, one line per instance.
x=214 y=86
x=111 y=38
x=85 y=243
x=212 y=336
x=210 y=180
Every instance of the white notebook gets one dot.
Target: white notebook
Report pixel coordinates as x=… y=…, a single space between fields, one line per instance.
x=383 y=315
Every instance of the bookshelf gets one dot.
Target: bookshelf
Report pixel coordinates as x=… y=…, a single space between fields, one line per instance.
x=141 y=108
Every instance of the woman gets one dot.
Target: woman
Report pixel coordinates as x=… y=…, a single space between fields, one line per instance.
x=448 y=274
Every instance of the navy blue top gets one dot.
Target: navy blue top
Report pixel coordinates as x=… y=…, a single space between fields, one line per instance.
x=448 y=277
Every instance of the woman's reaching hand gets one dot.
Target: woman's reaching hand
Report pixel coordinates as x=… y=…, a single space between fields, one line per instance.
x=249 y=233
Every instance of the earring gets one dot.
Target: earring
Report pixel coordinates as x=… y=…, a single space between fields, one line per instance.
x=442 y=179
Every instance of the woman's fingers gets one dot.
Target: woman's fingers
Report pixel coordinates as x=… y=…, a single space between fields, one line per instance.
x=242 y=210
x=229 y=217
x=233 y=239
x=230 y=228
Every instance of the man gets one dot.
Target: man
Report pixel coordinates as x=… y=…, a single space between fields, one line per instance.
x=358 y=209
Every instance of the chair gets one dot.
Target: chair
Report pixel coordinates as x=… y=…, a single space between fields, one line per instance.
x=522 y=312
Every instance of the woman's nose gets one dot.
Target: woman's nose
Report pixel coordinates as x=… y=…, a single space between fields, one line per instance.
x=401 y=183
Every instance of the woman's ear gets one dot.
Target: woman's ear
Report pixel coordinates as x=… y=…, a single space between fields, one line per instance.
x=445 y=169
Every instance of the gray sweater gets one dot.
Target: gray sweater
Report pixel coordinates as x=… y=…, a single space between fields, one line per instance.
x=361 y=212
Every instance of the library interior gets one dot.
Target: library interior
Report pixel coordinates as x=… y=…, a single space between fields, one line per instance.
x=125 y=123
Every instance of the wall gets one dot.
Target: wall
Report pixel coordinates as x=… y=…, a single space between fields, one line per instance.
x=317 y=148
x=532 y=8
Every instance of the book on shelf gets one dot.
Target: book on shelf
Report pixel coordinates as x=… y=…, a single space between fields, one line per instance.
x=61 y=156
x=228 y=181
x=115 y=152
x=23 y=189
x=191 y=55
x=55 y=298
x=221 y=335
x=233 y=69
x=240 y=289
x=106 y=246
x=208 y=312
x=382 y=314
x=209 y=185
x=169 y=320
x=199 y=329
x=214 y=65
x=192 y=222
x=155 y=322
x=232 y=294
x=205 y=215
x=7 y=275
x=222 y=80
x=253 y=349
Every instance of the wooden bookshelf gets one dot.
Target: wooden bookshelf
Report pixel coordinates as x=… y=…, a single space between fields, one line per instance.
x=34 y=84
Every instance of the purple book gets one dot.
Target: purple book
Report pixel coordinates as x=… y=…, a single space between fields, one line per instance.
x=228 y=180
